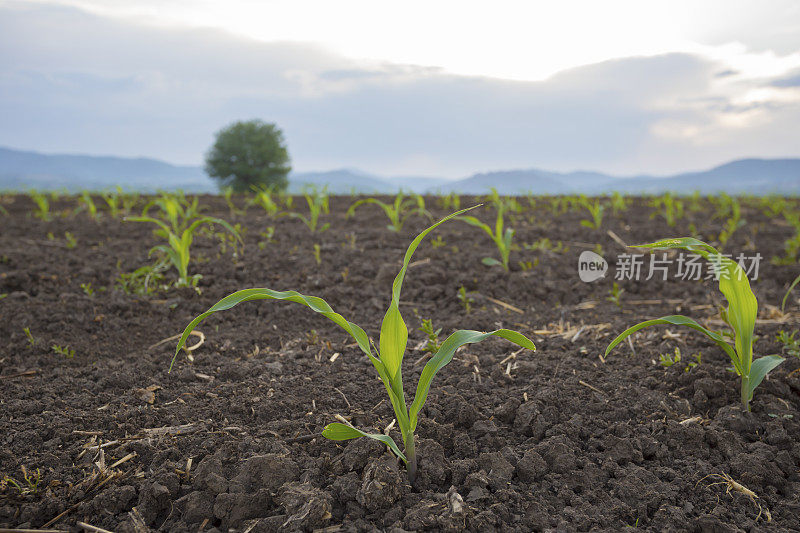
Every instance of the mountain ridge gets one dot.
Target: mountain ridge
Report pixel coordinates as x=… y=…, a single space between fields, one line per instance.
x=23 y=170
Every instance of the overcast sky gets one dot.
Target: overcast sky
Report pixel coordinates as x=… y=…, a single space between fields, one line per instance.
x=409 y=88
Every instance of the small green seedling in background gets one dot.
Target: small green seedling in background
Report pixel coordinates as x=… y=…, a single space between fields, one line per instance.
x=595 y=208
x=619 y=203
x=667 y=360
x=437 y=242
x=615 y=295
x=87 y=289
x=29 y=336
x=30 y=483
x=740 y=315
x=228 y=194
x=732 y=223
x=66 y=351
x=388 y=360
x=465 y=299
x=267 y=235
x=317 y=254
x=528 y=265
x=72 y=242
x=42 y=210
x=317 y=201
x=668 y=207
x=785 y=296
x=791 y=346
x=501 y=237
x=180 y=222
x=87 y=202
x=698 y=359
x=263 y=197
x=397 y=212
x=450 y=201
x=432 y=345
x=144 y=280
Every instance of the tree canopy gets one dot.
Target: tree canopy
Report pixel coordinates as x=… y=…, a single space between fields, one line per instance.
x=249 y=154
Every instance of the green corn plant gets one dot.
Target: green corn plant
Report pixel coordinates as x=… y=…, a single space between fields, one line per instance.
x=732 y=223
x=228 y=195
x=740 y=315
x=619 y=203
x=668 y=207
x=786 y=296
x=450 y=201
x=180 y=222
x=42 y=210
x=388 y=358
x=398 y=211
x=595 y=209
x=263 y=198
x=87 y=203
x=501 y=237
x=317 y=201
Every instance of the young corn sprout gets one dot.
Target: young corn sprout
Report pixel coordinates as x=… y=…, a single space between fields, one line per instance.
x=317 y=201
x=785 y=296
x=388 y=359
x=595 y=209
x=502 y=239
x=740 y=316
x=263 y=197
x=180 y=221
x=398 y=211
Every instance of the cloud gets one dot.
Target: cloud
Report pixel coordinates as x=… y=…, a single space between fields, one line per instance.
x=75 y=82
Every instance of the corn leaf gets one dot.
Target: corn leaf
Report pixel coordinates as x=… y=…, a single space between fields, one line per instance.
x=337 y=431
x=760 y=369
x=785 y=296
x=314 y=303
x=734 y=285
x=679 y=320
x=445 y=354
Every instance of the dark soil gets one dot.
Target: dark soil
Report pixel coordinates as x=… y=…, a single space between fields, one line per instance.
x=551 y=440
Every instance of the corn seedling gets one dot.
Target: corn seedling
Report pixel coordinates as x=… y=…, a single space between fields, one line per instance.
x=450 y=202
x=698 y=359
x=180 y=222
x=465 y=299
x=228 y=194
x=42 y=210
x=525 y=266
x=792 y=245
x=72 y=242
x=87 y=289
x=615 y=295
x=262 y=197
x=317 y=201
x=318 y=254
x=87 y=203
x=437 y=242
x=398 y=211
x=66 y=351
x=595 y=209
x=29 y=483
x=501 y=237
x=790 y=345
x=619 y=203
x=29 y=336
x=387 y=362
x=788 y=292
x=668 y=207
x=740 y=315
x=732 y=223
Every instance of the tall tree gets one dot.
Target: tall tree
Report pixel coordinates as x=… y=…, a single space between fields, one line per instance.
x=249 y=154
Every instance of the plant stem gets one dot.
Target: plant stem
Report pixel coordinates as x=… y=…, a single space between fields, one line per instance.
x=411 y=457
x=746 y=392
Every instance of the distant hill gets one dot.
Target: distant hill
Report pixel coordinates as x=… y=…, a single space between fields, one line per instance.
x=31 y=170
x=22 y=170
x=744 y=176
